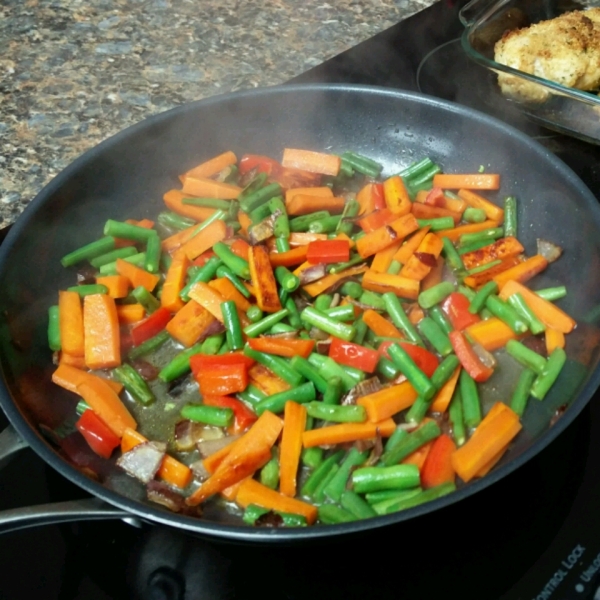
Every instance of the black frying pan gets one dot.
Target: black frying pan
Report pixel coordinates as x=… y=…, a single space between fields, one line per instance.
x=127 y=175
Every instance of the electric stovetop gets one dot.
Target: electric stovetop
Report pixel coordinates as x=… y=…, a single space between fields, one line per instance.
x=535 y=535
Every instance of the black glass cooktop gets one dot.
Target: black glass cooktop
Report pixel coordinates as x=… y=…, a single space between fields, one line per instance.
x=535 y=535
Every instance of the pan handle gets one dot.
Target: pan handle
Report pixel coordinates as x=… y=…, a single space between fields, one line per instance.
x=10 y=443
x=89 y=509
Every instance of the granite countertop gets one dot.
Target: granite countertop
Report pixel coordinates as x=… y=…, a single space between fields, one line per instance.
x=74 y=72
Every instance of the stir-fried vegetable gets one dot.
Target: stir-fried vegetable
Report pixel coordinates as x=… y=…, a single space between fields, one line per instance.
x=289 y=317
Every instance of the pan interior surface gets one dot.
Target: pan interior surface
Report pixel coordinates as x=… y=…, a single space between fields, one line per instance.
x=126 y=176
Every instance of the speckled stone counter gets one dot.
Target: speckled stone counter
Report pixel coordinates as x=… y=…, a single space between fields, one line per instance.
x=74 y=72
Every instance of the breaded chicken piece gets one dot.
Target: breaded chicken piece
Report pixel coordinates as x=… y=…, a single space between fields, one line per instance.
x=565 y=50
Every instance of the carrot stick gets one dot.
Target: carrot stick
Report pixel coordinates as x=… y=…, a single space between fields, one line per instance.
x=383 y=259
x=410 y=246
x=70 y=318
x=213 y=166
x=491 y=333
x=388 y=401
x=102 y=334
x=203 y=187
x=104 y=401
x=323 y=191
x=303 y=205
x=211 y=463
x=253 y=492
x=205 y=239
x=118 y=286
x=263 y=280
x=379 y=325
x=294 y=423
x=396 y=195
x=499 y=250
x=399 y=285
x=74 y=361
x=442 y=399
x=493 y=433
x=208 y=298
x=130 y=313
x=416 y=269
x=419 y=456
x=245 y=222
x=318 y=287
x=282 y=347
x=250 y=452
x=523 y=271
x=175 y=241
x=468 y=181
x=365 y=199
x=455 y=204
x=136 y=275
x=69 y=378
x=454 y=234
x=554 y=339
x=549 y=314
x=266 y=381
x=189 y=323
x=493 y=212
x=171 y=470
x=426 y=211
x=438 y=468
x=415 y=313
x=313 y=162
x=173 y=200
x=229 y=292
x=434 y=276
x=376 y=219
x=478 y=279
x=381 y=238
x=241 y=248
x=291 y=258
x=347 y=432
x=174 y=282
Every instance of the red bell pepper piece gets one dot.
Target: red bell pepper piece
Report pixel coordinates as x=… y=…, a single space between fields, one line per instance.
x=262 y=164
x=437 y=468
x=244 y=417
x=435 y=197
x=425 y=360
x=377 y=219
x=378 y=196
x=353 y=355
x=456 y=306
x=206 y=362
x=222 y=380
x=201 y=260
x=468 y=358
x=97 y=434
x=150 y=326
x=328 y=251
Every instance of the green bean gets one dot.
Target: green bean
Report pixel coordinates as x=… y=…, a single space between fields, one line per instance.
x=211 y=415
x=435 y=294
x=89 y=251
x=413 y=441
x=135 y=259
x=342 y=312
x=323 y=302
x=440 y=317
x=87 y=290
x=150 y=345
x=505 y=312
x=426 y=496
x=302 y=366
x=253 y=512
x=276 y=402
x=212 y=343
x=312 y=457
x=286 y=279
x=134 y=383
x=346 y=225
x=328 y=368
x=474 y=215
x=282 y=244
x=337 y=485
x=281 y=225
x=545 y=381
x=435 y=335
x=112 y=256
x=331 y=514
x=317 y=476
x=301 y=223
x=361 y=329
x=437 y=224
x=339 y=267
x=397 y=436
x=352 y=413
x=332 y=395
x=518 y=401
x=81 y=407
x=236 y=263
x=223 y=271
x=282 y=328
x=352 y=289
x=400 y=318
x=233 y=328
x=127 y=231
x=520 y=305
x=224 y=349
x=146 y=299
x=383 y=507
x=479 y=300
x=510 y=216
x=322 y=321
x=354 y=504
x=394 y=267
x=470 y=400
x=153 y=252
x=552 y=293
x=493 y=233
x=382 y=495
x=482 y=268
x=204 y=275
x=278 y=365
x=260 y=213
x=179 y=365
x=254 y=313
x=387 y=369
x=269 y=474
x=473 y=246
x=407 y=366
x=54 y=328
x=257 y=183
x=395 y=477
x=255 y=329
x=325 y=224
x=208 y=202
x=252 y=395
x=362 y=164
x=175 y=221
x=453 y=258
x=455 y=414
x=251 y=201
x=416 y=168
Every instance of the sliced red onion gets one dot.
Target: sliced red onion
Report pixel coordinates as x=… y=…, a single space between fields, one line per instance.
x=322 y=346
x=284 y=335
x=213 y=328
x=335 y=300
x=208 y=447
x=199 y=471
x=318 y=334
x=148 y=371
x=376 y=452
x=313 y=273
x=161 y=493
x=487 y=358
x=548 y=250
x=187 y=433
x=429 y=260
x=264 y=230
x=143 y=460
x=364 y=388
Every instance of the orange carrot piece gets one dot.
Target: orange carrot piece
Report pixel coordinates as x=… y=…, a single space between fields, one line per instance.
x=208 y=298
x=69 y=377
x=241 y=248
x=377 y=219
x=301 y=238
x=434 y=276
x=442 y=399
x=549 y=314
x=70 y=319
x=203 y=187
x=263 y=280
x=318 y=287
x=101 y=330
x=396 y=195
x=213 y=166
x=554 y=339
x=229 y=292
x=291 y=258
x=498 y=250
x=64 y=358
x=455 y=204
x=253 y=492
x=415 y=314
x=205 y=239
x=250 y=452
x=419 y=456
x=493 y=434
x=437 y=468
x=313 y=162
x=301 y=204
x=294 y=423
x=523 y=271
x=387 y=402
x=454 y=234
x=347 y=432
x=409 y=247
x=492 y=333
x=117 y=285
x=136 y=275
x=478 y=279
x=467 y=181
x=416 y=269
x=189 y=323
x=211 y=463
x=384 y=282
x=266 y=381
x=365 y=199
x=174 y=282
x=493 y=212
x=381 y=238
x=130 y=313
x=245 y=221
x=175 y=241
x=380 y=325
x=104 y=401
x=282 y=347
x=383 y=259
x=427 y=211
x=173 y=199
x=323 y=191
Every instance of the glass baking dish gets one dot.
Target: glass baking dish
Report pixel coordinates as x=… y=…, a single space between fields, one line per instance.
x=563 y=109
